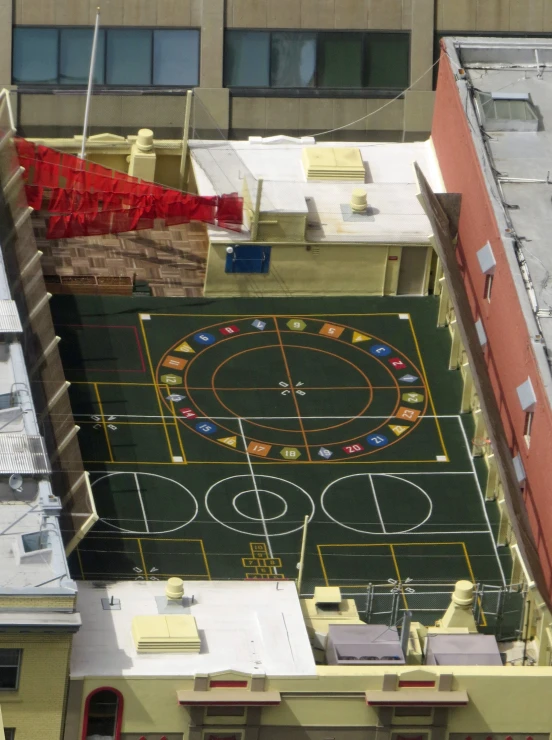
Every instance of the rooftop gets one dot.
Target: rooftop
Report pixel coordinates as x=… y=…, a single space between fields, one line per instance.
x=513 y=83
x=250 y=627
x=394 y=214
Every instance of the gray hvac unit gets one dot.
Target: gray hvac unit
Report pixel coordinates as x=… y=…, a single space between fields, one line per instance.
x=470 y=649
x=364 y=644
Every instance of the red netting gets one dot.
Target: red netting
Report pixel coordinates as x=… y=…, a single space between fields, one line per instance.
x=89 y=199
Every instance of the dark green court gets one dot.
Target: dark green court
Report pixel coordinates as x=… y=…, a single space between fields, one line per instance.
x=211 y=429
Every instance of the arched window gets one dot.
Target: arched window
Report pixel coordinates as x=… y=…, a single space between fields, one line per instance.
x=103 y=715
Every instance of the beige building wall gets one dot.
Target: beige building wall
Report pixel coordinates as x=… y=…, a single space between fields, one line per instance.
x=333 y=703
x=36 y=709
x=312 y=269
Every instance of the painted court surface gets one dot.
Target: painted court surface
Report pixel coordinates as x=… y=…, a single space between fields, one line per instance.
x=211 y=429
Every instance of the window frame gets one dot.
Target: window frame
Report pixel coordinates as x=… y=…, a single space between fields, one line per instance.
x=103 y=87
x=528 y=426
x=18 y=667
x=119 y=717
x=316 y=91
x=488 y=289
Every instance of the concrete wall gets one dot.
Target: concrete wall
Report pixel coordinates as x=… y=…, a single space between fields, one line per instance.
x=36 y=709
x=310 y=269
x=510 y=16
x=52 y=115
x=509 y=354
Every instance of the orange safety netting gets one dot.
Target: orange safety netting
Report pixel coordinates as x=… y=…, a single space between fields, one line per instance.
x=87 y=199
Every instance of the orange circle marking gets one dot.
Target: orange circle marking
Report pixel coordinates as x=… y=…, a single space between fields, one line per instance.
x=320 y=321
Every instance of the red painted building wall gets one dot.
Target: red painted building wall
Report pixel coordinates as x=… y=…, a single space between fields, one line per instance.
x=509 y=352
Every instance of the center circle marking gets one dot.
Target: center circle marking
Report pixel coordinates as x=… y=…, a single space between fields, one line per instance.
x=292 y=497
x=258 y=518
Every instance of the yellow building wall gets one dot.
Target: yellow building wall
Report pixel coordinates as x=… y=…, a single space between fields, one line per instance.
x=505 y=700
x=309 y=269
x=36 y=709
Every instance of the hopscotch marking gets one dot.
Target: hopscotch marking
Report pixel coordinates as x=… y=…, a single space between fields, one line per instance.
x=257 y=494
x=147 y=522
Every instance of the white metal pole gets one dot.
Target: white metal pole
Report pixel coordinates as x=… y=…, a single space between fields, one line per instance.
x=302 y=559
x=185 y=137
x=90 y=83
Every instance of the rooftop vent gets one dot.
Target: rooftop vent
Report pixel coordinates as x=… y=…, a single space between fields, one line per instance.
x=364 y=644
x=333 y=163
x=166 y=634
x=506 y=111
x=327 y=598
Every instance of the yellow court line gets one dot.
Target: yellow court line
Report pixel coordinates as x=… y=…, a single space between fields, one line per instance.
x=422 y=366
x=130 y=423
x=79 y=558
x=106 y=382
x=395 y=563
x=472 y=576
x=104 y=423
x=177 y=425
x=395 y=544
x=205 y=559
x=142 y=558
x=322 y=564
x=157 y=390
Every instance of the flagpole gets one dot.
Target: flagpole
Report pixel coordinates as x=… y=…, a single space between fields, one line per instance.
x=90 y=83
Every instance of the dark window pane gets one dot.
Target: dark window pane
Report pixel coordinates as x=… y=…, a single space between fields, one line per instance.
x=387 y=60
x=340 y=60
x=35 y=55
x=293 y=61
x=246 y=58
x=128 y=57
x=175 y=57
x=8 y=678
x=9 y=657
x=75 y=54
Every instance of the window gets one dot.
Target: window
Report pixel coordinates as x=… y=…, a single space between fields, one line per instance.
x=488 y=287
x=10 y=665
x=9 y=733
x=528 y=426
x=225 y=711
x=247 y=58
x=506 y=111
x=103 y=714
x=125 y=57
x=248 y=259
x=329 y=60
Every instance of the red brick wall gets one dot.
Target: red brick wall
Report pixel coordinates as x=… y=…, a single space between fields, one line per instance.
x=509 y=353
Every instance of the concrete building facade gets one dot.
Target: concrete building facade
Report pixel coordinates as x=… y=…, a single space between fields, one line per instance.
x=319 y=64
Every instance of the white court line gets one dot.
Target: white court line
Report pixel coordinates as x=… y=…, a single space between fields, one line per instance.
x=269 y=546
x=141 y=502
x=472 y=464
x=377 y=504
x=263 y=418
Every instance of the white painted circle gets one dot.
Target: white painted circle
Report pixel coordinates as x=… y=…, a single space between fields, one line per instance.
x=371 y=476
x=258 y=518
x=151 y=531
x=310 y=503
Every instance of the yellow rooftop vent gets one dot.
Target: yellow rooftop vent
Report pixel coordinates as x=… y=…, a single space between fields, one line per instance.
x=174 y=633
x=333 y=163
x=327 y=595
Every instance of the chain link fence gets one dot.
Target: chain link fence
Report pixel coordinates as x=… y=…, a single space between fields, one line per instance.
x=497 y=609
